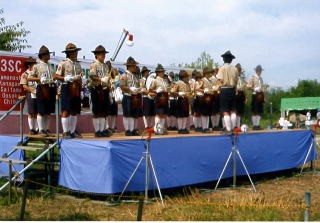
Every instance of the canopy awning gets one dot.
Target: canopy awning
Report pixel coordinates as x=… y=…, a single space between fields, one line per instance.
x=304 y=103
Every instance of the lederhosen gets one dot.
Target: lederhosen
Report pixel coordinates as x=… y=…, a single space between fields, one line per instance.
x=46 y=95
x=31 y=101
x=162 y=103
x=257 y=102
x=172 y=107
x=183 y=107
x=240 y=102
x=206 y=104
x=70 y=94
x=227 y=99
x=100 y=97
x=148 y=108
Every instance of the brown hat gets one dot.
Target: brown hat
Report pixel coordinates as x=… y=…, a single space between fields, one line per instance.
x=171 y=74
x=159 y=68
x=70 y=47
x=144 y=69
x=183 y=73
x=100 y=49
x=43 y=50
x=228 y=54
x=131 y=61
x=259 y=67
x=29 y=61
x=198 y=75
x=206 y=70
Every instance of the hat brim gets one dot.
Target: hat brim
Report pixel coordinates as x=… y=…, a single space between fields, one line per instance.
x=131 y=64
x=71 y=50
x=97 y=52
x=45 y=53
x=228 y=55
x=157 y=71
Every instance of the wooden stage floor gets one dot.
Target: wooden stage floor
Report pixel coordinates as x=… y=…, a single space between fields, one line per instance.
x=171 y=134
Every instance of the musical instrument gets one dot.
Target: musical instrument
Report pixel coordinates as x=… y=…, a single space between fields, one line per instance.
x=162 y=99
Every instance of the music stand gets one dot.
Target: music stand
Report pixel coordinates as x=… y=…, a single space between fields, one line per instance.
x=149 y=164
x=234 y=153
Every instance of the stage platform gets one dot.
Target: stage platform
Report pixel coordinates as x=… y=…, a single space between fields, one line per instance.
x=104 y=165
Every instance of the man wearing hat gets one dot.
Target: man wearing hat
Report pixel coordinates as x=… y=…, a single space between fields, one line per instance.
x=197 y=90
x=183 y=90
x=195 y=121
x=215 y=115
x=172 y=119
x=148 y=100
x=130 y=86
x=70 y=73
x=30 y=88
x=240 y=98
x=160 y=87
x=43 y=73
x=99 y=85
x=228 y=77
x=256 y=85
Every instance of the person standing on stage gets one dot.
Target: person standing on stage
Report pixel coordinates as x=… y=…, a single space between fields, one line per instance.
x=206 y=100
x=197 y=102
x=256 y=85
x=148 y=100
x=183 y=90
x=171 y=119
x=215 y=116
x=99 y=85
x=241 y=97
x=131 y=102
x=30 y=88
x=195 y=121
x=160 y=87
x=113 y=111
x=70 y=73
x=228 y=77
x=46 y=90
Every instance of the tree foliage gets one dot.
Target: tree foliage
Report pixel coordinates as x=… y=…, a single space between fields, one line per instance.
x=12 y=37
x=204 y=60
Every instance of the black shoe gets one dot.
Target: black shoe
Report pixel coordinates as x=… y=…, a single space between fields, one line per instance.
x=135 y=132
x=33 y=132
x=98 y=134
x=106 y=133
x=174 y=128
x=170 y=128
x=206 y=131
x=180 y=131
x=112 y=130
x=76 y=134
x=199 y=129
x=216 y=128
x=128 y=133
x=192 y=127
x=43 y=133
x=67 y=135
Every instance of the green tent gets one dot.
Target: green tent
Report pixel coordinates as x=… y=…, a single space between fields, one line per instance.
x=303 y=103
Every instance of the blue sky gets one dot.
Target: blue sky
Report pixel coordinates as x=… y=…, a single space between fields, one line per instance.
x=281 y=35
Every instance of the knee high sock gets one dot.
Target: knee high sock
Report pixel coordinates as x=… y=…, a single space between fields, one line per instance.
x=169 y=121
x=107 y=122
x=184 y=123
x=73 y=123
x=65 y=121
x=102 y=124
x=227 y=121
x=163 y=122
x=204 y=121
x=258 y=120
x=95 y=122
x=213 y=120
x=157 y=121
x=46 y=122
x=217 y=120
x=131 y=124
x=40 y=120
x=145 y=121
x=126 y=123
x=180 y=121
x=112 y=122
x=238 y=121
x=233 y=120
x=30 y=122
x=35 y=124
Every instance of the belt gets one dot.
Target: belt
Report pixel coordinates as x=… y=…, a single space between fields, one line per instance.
x=226 y=87
x=127 y=94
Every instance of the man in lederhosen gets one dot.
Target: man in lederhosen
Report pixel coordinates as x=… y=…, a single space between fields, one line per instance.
x=228 y=77
x=215 y=116
x=131 y=102
x=206 y=100
x=30 y=88
x=241 y=98
x=160 y=87
x=113 y=111
x=197 y=101
x=195 y=121
x=148 y=100
x=46 y=90
x=70 y=73
x=183 y=91
x=100 y=89
x=256 y=85
x=171 y=119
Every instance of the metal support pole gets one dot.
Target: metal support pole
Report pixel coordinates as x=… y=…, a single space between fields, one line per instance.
x=10 y=182
x=21 y=122
x=57 y=117
x=308 y=204
x=234 y=168
x=146 y=186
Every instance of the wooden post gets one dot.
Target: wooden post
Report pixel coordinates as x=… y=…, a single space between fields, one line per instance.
x=10 y=182
x=24 y=199
x=140 y=209
x=308 y=204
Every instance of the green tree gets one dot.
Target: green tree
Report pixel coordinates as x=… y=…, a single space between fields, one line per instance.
x=204 y=60
x=12 y=37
